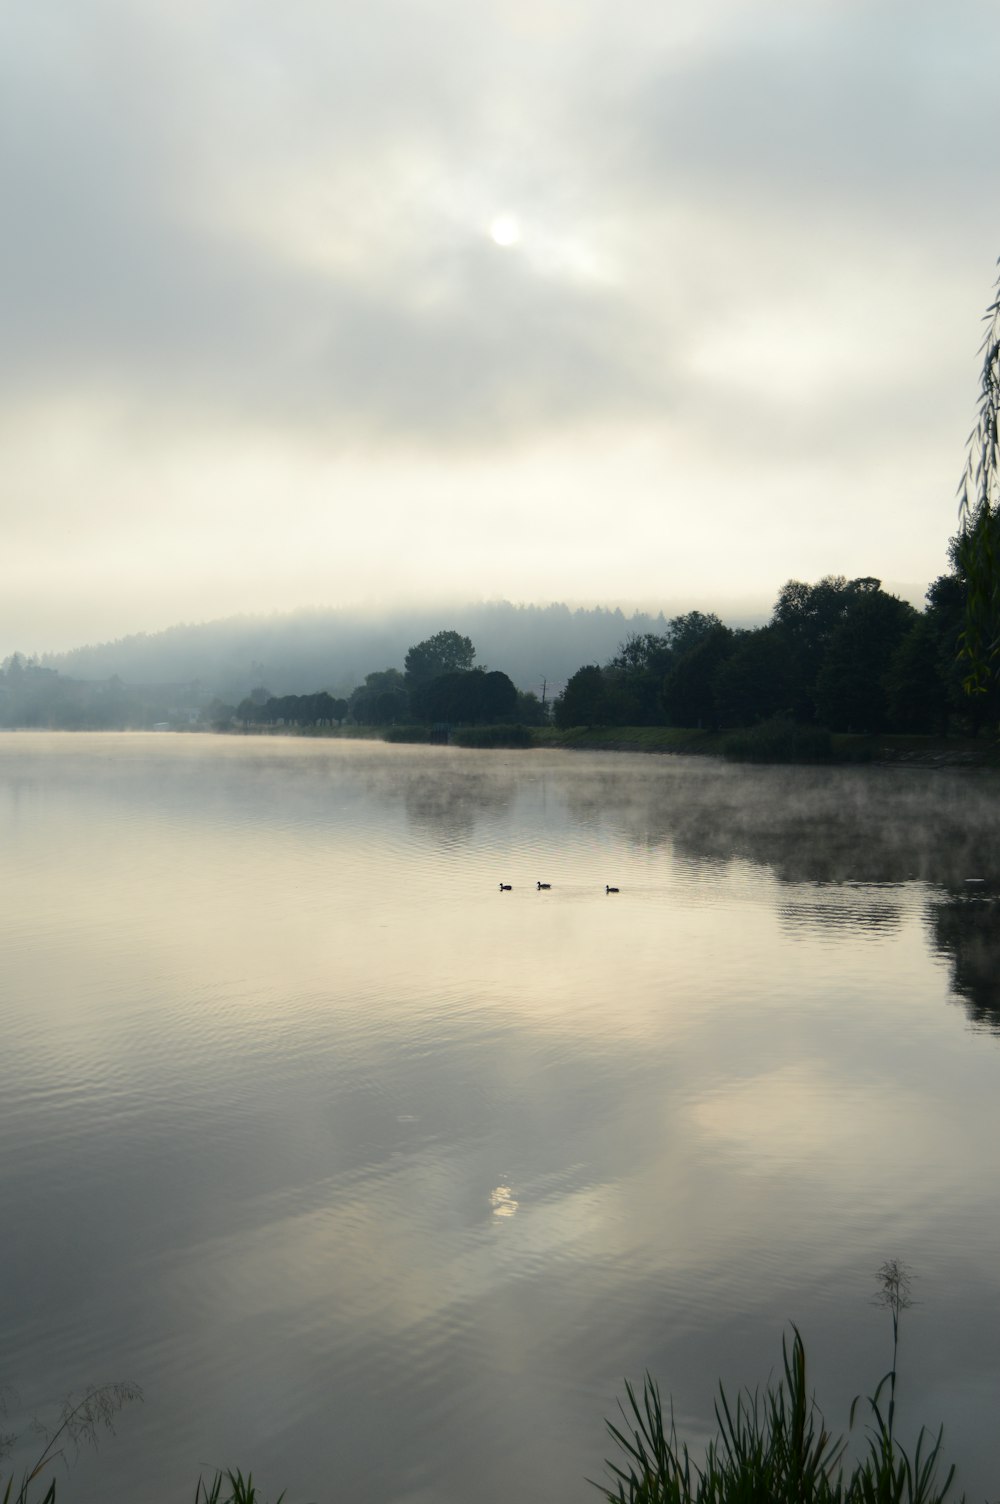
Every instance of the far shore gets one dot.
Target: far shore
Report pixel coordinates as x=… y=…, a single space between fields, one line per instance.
x=889 y=748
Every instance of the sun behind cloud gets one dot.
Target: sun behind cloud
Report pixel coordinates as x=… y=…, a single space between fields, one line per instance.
x=505 y=230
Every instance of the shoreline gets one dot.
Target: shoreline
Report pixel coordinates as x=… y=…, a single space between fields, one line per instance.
x=862 y=748
x=887 y=749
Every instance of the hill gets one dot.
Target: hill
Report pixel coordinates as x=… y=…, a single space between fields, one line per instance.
x=297 y=653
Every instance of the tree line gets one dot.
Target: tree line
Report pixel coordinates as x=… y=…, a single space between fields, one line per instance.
x=440 y=684
x=841 y=654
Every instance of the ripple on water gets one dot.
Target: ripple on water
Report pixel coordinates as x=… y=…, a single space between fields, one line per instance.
x=344 y=1155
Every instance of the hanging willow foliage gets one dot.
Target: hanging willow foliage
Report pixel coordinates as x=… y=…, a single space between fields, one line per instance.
x=978 y=554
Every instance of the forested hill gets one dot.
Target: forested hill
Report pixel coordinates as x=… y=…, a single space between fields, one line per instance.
x=301 y=652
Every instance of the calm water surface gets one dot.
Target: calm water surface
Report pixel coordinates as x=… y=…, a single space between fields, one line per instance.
x=379 y=1180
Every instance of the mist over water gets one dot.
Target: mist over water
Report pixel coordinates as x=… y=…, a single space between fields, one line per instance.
x=379 y=1179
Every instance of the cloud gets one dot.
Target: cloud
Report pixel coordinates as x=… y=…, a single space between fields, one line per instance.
x=156 y=256
x=247 y=267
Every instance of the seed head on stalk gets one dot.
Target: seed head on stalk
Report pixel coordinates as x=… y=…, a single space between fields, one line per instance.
x=893 y=1292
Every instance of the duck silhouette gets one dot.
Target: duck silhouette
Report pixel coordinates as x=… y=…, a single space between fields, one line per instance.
x=611 y=890
x=505 y=887
x=543 y=885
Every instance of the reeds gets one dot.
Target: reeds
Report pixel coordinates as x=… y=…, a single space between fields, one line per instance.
x=239 y=1490
x=779 y=740
x=79 y=1422
x=770 y=1449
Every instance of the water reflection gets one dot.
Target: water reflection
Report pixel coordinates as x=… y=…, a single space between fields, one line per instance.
x=966 y=929
x=823 y=826
x=451 y=809
x=502 y=1201
x=862 y=910
x=341 y=1134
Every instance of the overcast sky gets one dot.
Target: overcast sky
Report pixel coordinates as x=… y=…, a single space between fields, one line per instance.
x=340 y=301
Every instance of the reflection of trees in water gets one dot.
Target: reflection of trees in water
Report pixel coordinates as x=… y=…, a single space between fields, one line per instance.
x=966 y=929
x=862 y=913
x=449 y=808
x=829 y=825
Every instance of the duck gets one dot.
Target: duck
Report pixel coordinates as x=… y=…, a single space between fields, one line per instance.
x=543 y=885
x=505 y=887
x=611 y=890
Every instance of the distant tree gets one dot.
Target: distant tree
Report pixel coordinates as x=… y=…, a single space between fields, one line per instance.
x=467 y=697
x=688 y=690
x=757 y=680
x=687 y=631
x=584 y=701
x=851 y=687
x=643 y=653
x=807 y=616
x=634 y=679
x=218 y=715
x=498 y=697
x=14 y=666
x=382 y=700
x=444 y=653
x=530 y=711
x=634 y=676
x=917 y=698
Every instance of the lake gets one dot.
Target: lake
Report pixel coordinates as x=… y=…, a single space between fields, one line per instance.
x=379 y=1180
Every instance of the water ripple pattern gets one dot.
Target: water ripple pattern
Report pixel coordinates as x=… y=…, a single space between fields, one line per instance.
x=369 y=1171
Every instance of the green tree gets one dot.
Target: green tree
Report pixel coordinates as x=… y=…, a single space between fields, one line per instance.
x=688 y=630
x=634 y=677
x=584 y=701
x=467 y=698
x=979 y=514
x=851 y=686
x=689 y=688
x=530 y=711
x=444 y=653
x=382 y=700
x=643 y=653
x=757 y=680
x=916 y=690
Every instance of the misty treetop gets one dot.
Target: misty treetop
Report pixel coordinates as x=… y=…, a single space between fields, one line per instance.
x=321 y=709
x=444 y=653
x=334 y=649
x=382 y=700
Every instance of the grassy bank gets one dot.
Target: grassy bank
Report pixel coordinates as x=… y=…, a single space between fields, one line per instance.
x=915 y=751
x=631 y=739
x=765 y=743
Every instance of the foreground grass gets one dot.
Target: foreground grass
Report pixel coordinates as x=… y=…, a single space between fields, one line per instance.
x=230 y=1488
x=770 y=1449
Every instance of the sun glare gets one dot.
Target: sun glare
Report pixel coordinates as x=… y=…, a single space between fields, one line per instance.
x=505 y=230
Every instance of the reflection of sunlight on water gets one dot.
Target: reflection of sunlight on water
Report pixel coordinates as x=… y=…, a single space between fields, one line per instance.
x=502 y=1201
x=798 y=1115
x=271 y=1029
